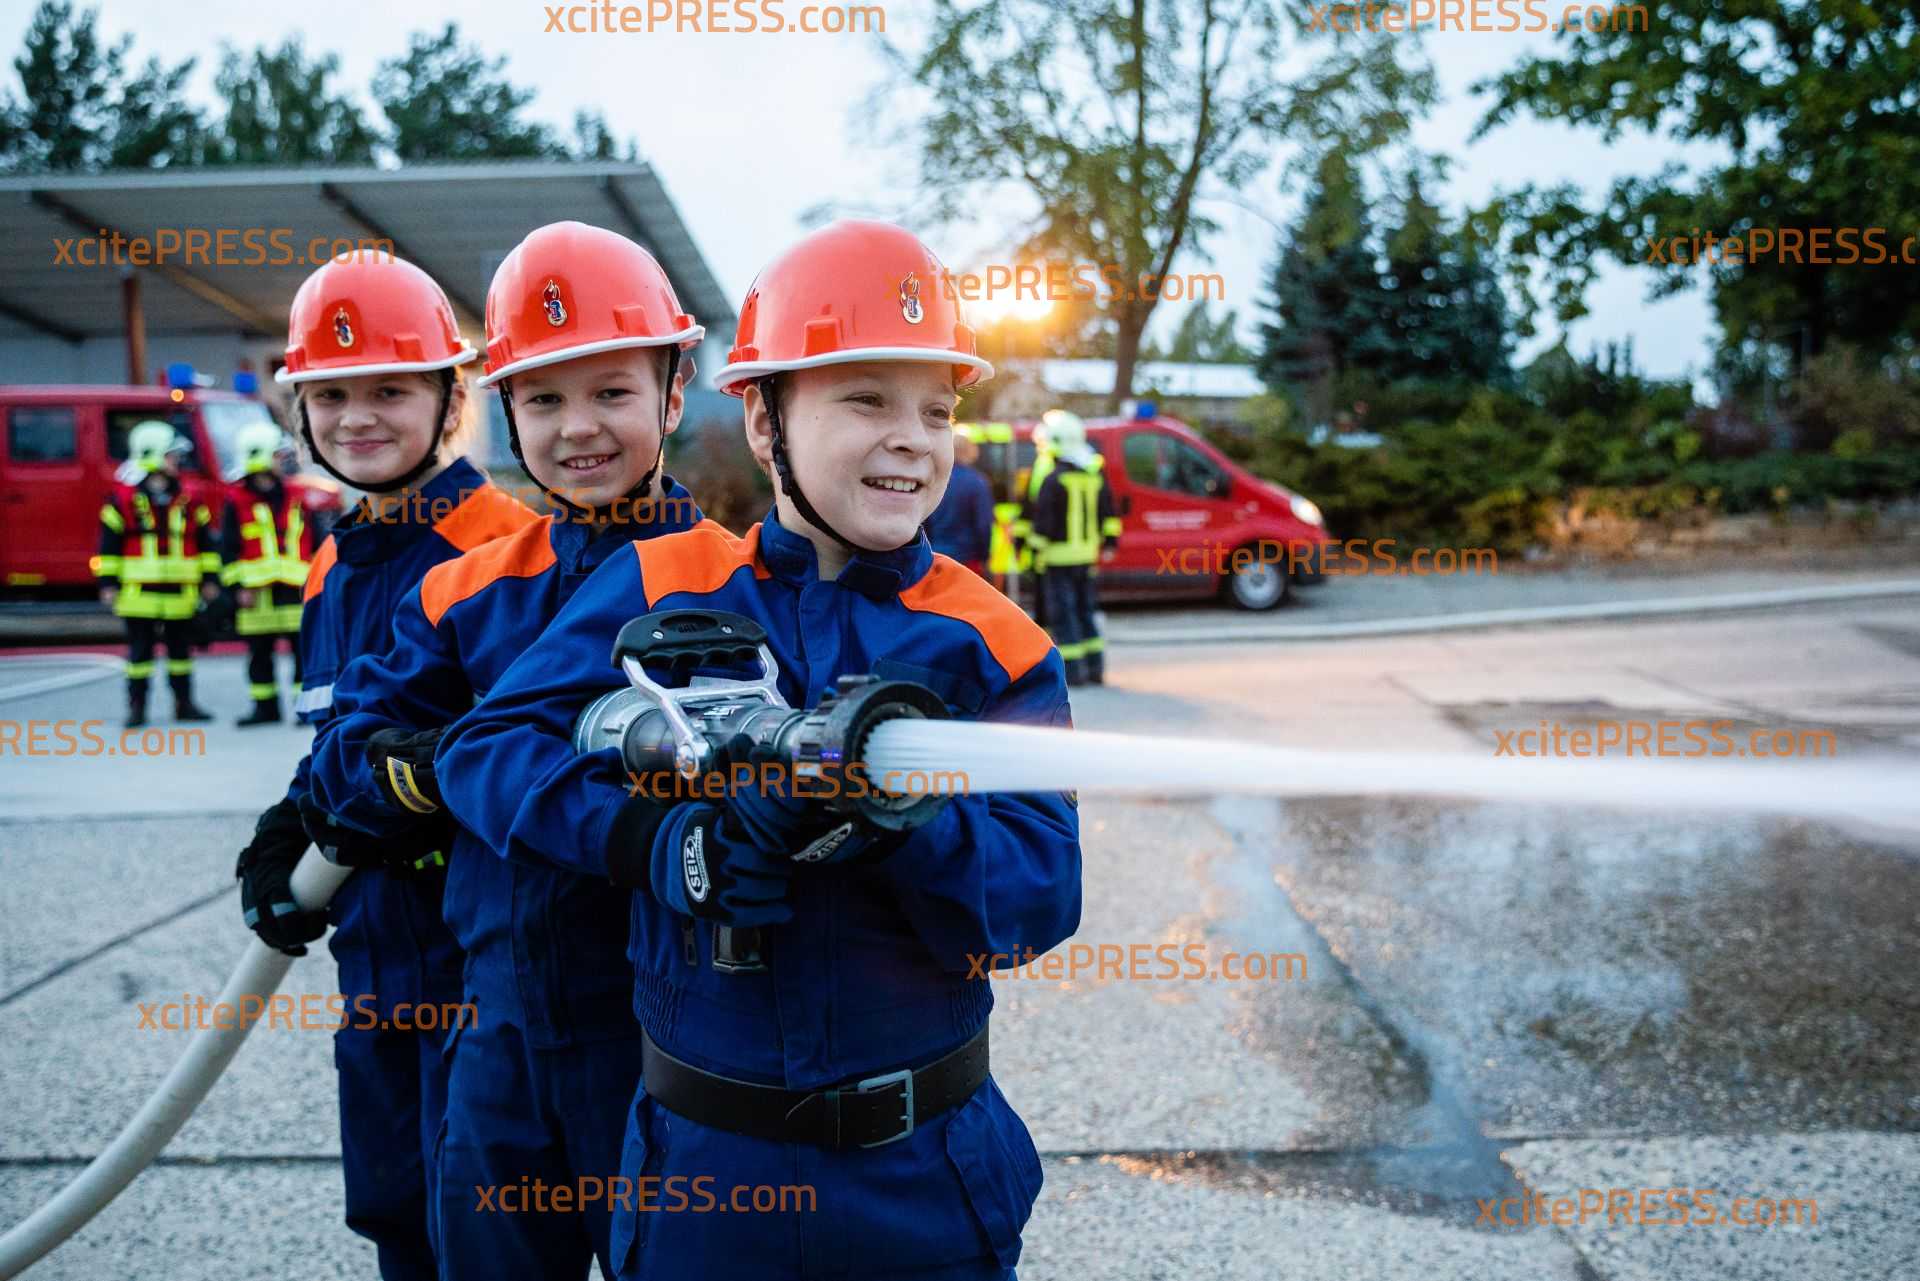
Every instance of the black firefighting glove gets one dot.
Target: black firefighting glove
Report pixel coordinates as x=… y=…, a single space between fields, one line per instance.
x=704 y=866
x=785 y=815
x=402 y=763
x=419 y=850
x=265 y=870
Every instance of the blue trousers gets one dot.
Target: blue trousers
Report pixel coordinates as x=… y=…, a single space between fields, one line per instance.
x=946 y=1203
x=393 y=1092
x=518 y=1117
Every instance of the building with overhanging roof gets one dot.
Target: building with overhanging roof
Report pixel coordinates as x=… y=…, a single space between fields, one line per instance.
x=67 y=320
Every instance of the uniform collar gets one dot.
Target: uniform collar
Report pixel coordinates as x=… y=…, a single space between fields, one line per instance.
x=877 y=575
x=359 y=540
x=574 y=539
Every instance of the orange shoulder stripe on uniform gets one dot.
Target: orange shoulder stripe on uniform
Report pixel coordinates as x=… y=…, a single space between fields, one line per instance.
x=696 y=560
x=317 y=570
x=952 y=590
x=487 y=513
x=523 y=554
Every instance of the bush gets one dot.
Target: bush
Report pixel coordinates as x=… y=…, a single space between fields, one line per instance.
x=1839 y=395
x=1587 y=455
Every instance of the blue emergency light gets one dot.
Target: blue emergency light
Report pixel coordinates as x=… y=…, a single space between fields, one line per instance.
x=1146 y=409
x=179 y=374
x=246 y=382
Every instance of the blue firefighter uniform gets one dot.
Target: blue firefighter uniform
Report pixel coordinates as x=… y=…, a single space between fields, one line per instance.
x=388 y=935
x=540 y=1081
x=870 y=976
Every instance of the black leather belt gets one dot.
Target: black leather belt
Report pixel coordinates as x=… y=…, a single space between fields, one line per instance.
x=862 y=1114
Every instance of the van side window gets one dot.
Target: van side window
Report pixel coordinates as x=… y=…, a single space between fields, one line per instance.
x=1188 y=471
x=42 y=434
x=1142 y=457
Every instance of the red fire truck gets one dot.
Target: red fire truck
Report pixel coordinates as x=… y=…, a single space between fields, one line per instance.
x=60 y=447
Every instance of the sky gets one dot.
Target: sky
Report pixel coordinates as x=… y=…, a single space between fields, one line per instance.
x=748 y=131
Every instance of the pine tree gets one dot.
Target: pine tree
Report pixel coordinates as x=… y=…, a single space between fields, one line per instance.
x=1444 y=317
x=1325 y=286
x=448 y=101
x=281 y=112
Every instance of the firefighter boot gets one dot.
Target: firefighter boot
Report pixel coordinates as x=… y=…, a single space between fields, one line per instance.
x=136 y=703
x=184 y=708
x=266 y=711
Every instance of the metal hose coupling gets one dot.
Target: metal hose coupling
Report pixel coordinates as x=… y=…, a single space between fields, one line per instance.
x=725 y=714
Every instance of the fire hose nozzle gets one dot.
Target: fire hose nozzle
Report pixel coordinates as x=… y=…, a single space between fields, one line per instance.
x=715 y=722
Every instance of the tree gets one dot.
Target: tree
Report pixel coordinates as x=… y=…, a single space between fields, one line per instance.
x=448 y=101
x=1123 y=117
x=1202 y=338
x=81 y=111
x=1327 y=296
x=154 y=125
x=593 y=140
x=1818 y=102
x=1444 y=318
x=280 y=111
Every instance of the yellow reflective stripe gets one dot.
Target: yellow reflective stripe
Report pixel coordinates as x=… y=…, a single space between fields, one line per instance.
x=104 y=566
x=111 y=518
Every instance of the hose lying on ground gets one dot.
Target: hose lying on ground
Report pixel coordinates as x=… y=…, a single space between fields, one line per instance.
x=258 y=975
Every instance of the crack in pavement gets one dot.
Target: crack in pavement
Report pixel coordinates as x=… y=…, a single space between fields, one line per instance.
x=68 y=966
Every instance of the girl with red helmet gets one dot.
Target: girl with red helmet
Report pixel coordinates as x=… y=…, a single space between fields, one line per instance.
x=843 y=1046
x=373 y=354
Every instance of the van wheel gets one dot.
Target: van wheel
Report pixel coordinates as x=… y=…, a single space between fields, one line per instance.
x=1258 y=585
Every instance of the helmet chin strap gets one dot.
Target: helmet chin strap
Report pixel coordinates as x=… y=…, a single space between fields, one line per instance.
x=629 y=499
x=412 y=473
x=783 y=465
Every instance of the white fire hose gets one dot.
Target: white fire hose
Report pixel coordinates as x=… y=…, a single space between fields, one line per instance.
x=314 y=882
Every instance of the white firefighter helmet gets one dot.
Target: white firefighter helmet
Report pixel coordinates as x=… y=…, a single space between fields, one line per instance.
x=150 y=442
x=257 y=447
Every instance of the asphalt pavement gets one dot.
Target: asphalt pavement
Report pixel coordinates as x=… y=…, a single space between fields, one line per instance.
x=1483 y=1005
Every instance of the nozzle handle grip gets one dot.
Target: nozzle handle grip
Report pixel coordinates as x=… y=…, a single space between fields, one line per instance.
x=683 y=639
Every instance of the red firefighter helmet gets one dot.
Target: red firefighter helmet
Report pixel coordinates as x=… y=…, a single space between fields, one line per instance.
x=571 y=290
x=370 y=315
x=857 y=290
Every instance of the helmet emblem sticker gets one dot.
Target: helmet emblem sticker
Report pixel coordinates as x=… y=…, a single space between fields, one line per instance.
x=556 y=310
x=342 y=328
x=910 y=300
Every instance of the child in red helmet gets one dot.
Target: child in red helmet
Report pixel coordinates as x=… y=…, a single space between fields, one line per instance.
x=845 y=1051
x=372 y=354
x=588 y=346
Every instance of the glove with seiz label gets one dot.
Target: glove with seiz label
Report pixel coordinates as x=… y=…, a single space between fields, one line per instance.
x=704 y=866
x=402 y=764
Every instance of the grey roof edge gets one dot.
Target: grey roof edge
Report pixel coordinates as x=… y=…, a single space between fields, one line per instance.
x=270 y=176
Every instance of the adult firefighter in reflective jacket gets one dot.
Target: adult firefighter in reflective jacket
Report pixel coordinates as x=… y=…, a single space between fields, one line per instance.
x=157 y=562
x=266 y=545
